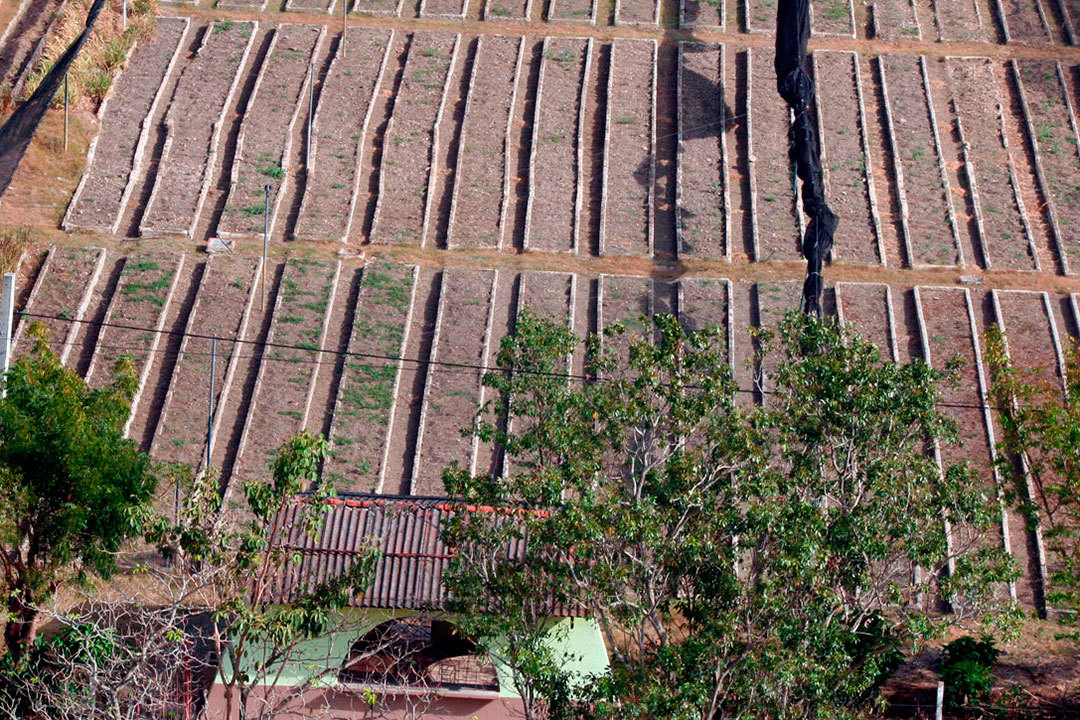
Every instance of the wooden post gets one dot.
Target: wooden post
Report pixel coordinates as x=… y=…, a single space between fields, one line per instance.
x=65 y=112
x=7 y=318
x=266 y=241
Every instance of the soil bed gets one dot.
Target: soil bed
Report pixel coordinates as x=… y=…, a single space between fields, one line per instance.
x=452 y=394
x=242 y=4
x=583 y=11
x=999 y=210
x=262 y=150
x=705 y=14
x=702 y=220
x=141 y=300
x=193 y=126
x=926 y=211
x=774 y=301
x=626 y=226
x=833 y=17
x=279 y=405
x=554 y=203
x=960 y=21
x=776 y=227
x=550 y=295
x=125 y=124
x=390 y=8
x=409 y=144
x=326 y=6
x=339 y=136
x=637 y=12
x=705 y=303
x=22 y=40
x=1024 y=21
x=221 y=308
x=481 y=182
x=364 y=407
x=625 y=299
x=867 y=308
x=760 y=16
x=448 y=9
x=1052 y=131
x=845 y=157
x=895 y=21
x=62 y=290
x=513 y=10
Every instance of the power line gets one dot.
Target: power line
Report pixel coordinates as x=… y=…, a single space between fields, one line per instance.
x=370 y=356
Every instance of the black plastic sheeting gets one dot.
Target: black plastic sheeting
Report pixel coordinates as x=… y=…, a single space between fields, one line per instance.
x=19 y=130
x=797 y=88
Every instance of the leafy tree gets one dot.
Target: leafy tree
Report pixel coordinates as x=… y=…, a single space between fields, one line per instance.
x=768 y=561
x=72 y=487
x=1040 y=422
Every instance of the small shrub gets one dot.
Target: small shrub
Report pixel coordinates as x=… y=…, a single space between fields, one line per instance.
x=967 y=669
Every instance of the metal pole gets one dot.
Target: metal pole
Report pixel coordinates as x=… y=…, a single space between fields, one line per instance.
x=65 y=111
x=939 y=705
x=266 y=241
x=7 y=316
x=344 y=24
x=125 y=14
x=310 y=116
x=210 y=417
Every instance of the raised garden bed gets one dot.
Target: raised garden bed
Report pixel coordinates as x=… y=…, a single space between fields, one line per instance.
x=895 y=20
x=707 y=303
x=193 y=128
x=62 y=292
x=626 y=221
x=262 y=153
x=776 y=232
x=389 y=8
x=637 y=12
x=960 y=21
x=627 y=299
x=222 y=308
x=845 y=157
x=928 y=225
x=702 y=205
x=868 y=308
x=773 y=301
x=1070 y=12
x=1000 y=217
x=704 y=14
x=553 y=215
x=259 y=5
x=411 y=140
x=116 y=154
x=339 y=136
x=948 y=331
x=1051 y=127
x=832 y=18
x=1023 y=21
x=580 y=11
x=514 y=10
x=482 y=178
x=452 y=394
x=368 y=389
x=549 y=295
x=281 y=400
x=326 y=6
x=759 y=16
x=447 y=9
x=22 y=37
x=147 y=285
x=27 y=52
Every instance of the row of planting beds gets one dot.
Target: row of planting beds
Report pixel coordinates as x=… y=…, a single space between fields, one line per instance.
x=22 y=37
x=704 y=14
x=141 y=301
x=927 y=223
x=895 y=20
x=33 y=41
x=482 y=178
x=845 y=157
x=193 y=128
x=117 y=152
x=960 y=21
x=626 y=219
x=583 y=11
x=1000 y=217
x=61 y=294
x=702 y=200
x=290 y=361
x=948 y=332
x=553 y=217
x=637 y=12
x=411 y=140
x=1024 y=21
x=452 y=388
x=775 y=225
x=625 y=299
x=388 y=8
x=367 y=391
x=339 y=136
x=868 y=308
x=1052 y=131
x=222 y=309
x=1033 y=345
x=707 y=303
x=262 y=153
x=832 y=17
x=1070 y=12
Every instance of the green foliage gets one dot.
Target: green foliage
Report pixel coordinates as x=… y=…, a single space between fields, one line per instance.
x=967 y=670
x=741 y=559
x=1040 y=420
x=72 y=487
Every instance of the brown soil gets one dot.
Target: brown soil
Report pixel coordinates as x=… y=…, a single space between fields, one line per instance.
x=703 y=303
x=866 y=309
x=576 y=11
x=832 y=17
x=452 y=9
x=58 y=294
x=960 y=21
x=636 y=12
x=894 y=21
x=702 y=14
